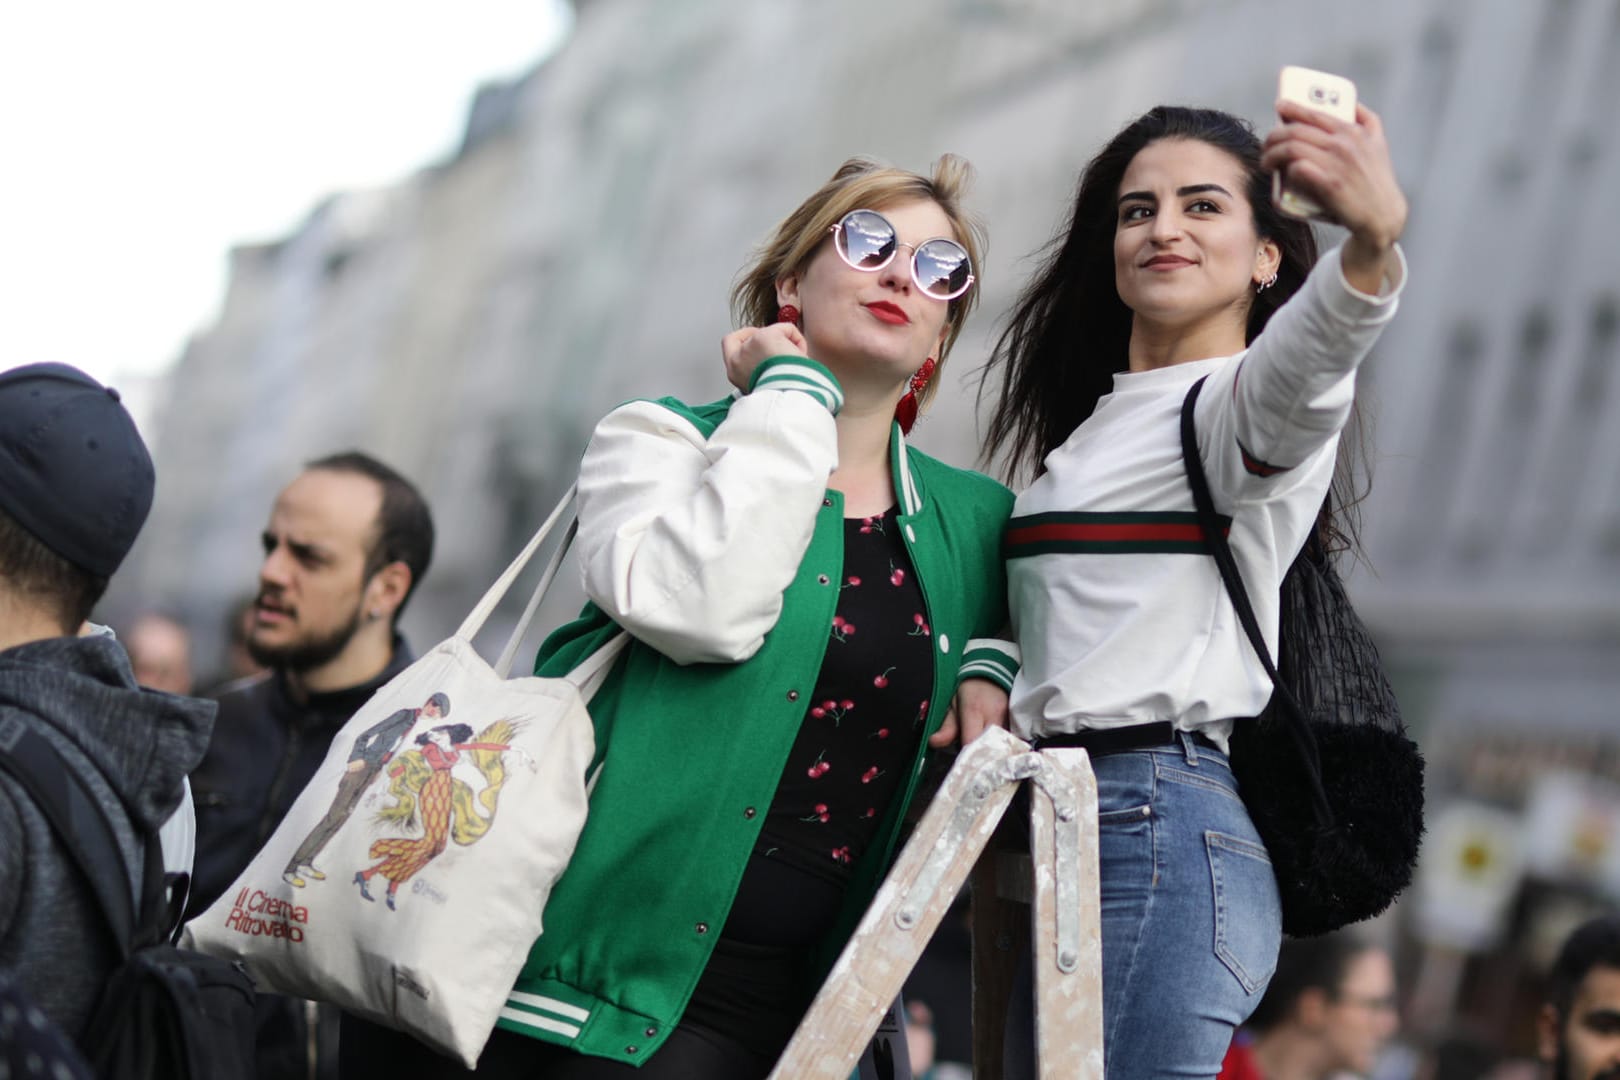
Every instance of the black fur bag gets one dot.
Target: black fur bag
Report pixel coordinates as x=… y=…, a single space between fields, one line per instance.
x=1331 y=780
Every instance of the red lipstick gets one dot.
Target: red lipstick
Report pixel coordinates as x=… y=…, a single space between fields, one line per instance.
x=889 y=313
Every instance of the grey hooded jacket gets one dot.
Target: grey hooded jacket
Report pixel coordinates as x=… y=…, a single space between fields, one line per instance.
x=132 y=748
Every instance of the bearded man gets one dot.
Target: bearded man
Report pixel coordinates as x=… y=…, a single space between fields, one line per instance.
x=1578 y=1029
x=347 y=543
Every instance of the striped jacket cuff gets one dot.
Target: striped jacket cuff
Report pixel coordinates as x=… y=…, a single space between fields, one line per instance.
x=990 y=658
x=802 y=374
x=530 y=1013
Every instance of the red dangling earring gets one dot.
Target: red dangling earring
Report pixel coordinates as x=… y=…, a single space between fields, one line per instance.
x=905 y=412
x=788 y=313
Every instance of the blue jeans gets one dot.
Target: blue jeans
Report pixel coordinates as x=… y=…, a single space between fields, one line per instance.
x=1191 y=921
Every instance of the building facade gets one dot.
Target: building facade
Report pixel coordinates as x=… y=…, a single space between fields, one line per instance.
x=469 y=324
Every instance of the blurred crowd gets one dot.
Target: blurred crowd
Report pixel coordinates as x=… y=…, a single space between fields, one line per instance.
x=344 y=545
x=706 y=538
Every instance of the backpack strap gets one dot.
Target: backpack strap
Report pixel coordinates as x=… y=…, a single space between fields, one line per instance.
x=160 y=913
x=78 y=819
x=1215 y=540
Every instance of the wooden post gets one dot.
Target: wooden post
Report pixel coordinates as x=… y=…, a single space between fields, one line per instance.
x=1066 y=918
x=907 y=909
x=1059 y=880
x=1002 y=882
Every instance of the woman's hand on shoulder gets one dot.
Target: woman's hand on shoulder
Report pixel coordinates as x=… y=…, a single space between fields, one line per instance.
x=979 y=705
x=744 y=349
x=1347 y=169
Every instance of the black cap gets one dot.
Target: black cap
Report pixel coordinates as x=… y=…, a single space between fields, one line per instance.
x=73 y=469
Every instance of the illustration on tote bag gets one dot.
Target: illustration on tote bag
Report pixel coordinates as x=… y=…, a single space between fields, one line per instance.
x=409 y=790
x=427 y=796
x=372 y=750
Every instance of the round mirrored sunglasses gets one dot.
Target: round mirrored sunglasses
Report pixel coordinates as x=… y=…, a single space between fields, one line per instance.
x=866 y=240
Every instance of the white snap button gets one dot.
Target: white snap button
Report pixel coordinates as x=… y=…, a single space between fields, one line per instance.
x=944 y=644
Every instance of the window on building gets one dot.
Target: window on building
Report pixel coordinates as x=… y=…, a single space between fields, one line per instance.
x=1445 y=444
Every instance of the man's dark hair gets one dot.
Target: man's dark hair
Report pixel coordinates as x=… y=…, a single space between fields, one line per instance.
x=1318 y=963
x=44 y=577
x=404 y=530
x=1593 y=944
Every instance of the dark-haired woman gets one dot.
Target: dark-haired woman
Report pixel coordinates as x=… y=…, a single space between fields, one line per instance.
x=1175 y=267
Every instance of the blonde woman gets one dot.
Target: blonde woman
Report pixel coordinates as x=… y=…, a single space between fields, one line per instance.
x=811 y=603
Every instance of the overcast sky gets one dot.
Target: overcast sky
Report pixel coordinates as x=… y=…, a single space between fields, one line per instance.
x=142 y=140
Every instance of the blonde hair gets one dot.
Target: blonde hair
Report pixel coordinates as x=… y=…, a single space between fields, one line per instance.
x=861 y=183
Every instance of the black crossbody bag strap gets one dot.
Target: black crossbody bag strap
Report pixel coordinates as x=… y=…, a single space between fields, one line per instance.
x=78 y=820
x=1221 y=549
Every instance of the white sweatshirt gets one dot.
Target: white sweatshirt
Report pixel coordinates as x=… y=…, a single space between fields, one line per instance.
x=1121 y=615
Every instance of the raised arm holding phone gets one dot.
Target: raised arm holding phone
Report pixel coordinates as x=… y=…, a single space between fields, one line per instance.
x=1176 y=265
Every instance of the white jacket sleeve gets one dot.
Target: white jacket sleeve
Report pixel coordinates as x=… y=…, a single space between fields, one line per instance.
x=1286 y=399
x=689 y=542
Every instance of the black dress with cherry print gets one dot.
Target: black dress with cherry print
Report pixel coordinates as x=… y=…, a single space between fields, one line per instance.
x=855 y=747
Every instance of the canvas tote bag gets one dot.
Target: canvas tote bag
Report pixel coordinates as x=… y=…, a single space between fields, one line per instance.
x=407 y=882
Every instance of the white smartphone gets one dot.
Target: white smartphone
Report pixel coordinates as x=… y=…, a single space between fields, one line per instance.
x=1331 y=94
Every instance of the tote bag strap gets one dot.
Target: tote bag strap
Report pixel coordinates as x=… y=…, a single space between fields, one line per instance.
x=592 y=671
x=1215 y=540
x=480 y=614
x=503 y=666
x=590 y=674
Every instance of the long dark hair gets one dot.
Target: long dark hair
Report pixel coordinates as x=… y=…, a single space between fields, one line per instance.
x=1070 y=332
